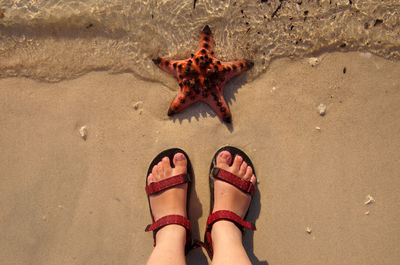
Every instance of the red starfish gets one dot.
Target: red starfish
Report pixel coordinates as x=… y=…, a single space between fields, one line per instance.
x=202 y=77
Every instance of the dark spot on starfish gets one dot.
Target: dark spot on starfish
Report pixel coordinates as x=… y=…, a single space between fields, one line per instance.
x=180 y=67
x=215 y=68
x=212 y=53
x=229 y=69
x=181 y=85
x=378 y=22
x=219 y=62
x=174 y=65
x=197 y=60
x=234 y=67
x=191 y=55
x=166 y=63
x=209 y=60
x=249 y=64
x=171 y=112
x=205 y=95
x=206 y=38
x=222 y=79
x=227 y=118
x=206 y=57
x=223 y=70
x=241 y=66
x=187 y=93
x=190 y=62
x=182 y=100
x=205 y=45
x=207 y=30
x=197 y=90
x=222 y=109
x=201 y=57
x=203 y=51
x=175 y=108
x=157 y=60
x=219 y=104
x=180 y=76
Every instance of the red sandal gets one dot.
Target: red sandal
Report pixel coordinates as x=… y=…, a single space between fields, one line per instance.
x=168 y=183
x=243 y=185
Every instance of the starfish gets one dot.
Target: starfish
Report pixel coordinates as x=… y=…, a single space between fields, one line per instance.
x=202 y=77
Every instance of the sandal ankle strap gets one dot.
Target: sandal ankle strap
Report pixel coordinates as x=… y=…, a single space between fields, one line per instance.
x=168 y=220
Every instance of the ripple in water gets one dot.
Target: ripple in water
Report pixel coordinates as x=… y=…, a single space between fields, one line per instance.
x=53 y=40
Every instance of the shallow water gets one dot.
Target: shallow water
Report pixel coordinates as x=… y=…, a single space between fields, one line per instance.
x=52 y=40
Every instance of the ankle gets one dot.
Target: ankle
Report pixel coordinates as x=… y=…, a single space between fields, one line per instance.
x=226 y=232
x=171 y=236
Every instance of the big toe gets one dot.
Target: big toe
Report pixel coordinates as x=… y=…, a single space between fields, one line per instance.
x=180 y=162
x=224 y=159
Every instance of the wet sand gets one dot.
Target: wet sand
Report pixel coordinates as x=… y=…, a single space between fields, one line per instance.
x=66 y=200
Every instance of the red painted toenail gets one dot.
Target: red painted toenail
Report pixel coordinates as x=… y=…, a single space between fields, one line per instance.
x=180 y=157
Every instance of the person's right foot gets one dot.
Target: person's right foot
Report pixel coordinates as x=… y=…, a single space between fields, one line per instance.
x=227 y=196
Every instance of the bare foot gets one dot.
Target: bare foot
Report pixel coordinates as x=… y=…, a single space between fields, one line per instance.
x=173 y=200
x=227 y=196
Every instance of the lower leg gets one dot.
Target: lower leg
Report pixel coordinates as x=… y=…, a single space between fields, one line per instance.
x=227 y=244
x=170 y=247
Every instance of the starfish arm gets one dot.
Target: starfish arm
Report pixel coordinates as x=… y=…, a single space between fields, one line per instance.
x=170 y=66
x=235 y=68
x=217 y=102
x=184 y=98
x=206 y=42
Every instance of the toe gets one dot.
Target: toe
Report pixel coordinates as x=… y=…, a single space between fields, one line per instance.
x=237 y=162
x=180 y=162
x=150 y=178
x=224 y=159
x=155 y=173
x=242 y=169
x=166 y=165
x=253 y=179
x=248 y=174
x=160 y=170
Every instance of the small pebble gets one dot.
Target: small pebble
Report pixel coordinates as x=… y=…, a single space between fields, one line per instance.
x=366 y=213
x=137 y=105
x=322 y=109
x=370 y=200
x=308 y=230
x=83 y=132
x=314 y=61
x=318 y=128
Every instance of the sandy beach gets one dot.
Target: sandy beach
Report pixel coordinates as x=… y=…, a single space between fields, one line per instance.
x=67 y=200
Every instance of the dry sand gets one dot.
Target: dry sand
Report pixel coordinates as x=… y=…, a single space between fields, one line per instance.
x=65 y=200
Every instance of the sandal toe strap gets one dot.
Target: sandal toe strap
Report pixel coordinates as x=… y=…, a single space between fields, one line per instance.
x=166 y=183
x=243 y=185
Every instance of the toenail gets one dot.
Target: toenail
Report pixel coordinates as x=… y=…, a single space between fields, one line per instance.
x=180 y=157
x=225 y=155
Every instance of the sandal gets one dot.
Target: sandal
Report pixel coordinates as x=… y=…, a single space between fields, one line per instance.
x=243 y=185
x=171 y=182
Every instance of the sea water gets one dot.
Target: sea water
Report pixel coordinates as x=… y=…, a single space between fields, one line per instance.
x=53 y=40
